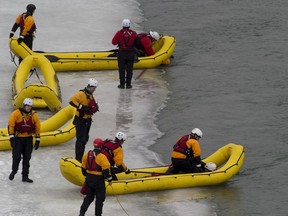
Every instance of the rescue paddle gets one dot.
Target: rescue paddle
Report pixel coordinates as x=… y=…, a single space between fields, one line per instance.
x=53 y=58
x=157 y=173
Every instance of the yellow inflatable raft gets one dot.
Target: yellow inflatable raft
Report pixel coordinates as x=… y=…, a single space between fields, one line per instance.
x=229 y=160
x=97 y=60
x=52 y=132
x=43 y=95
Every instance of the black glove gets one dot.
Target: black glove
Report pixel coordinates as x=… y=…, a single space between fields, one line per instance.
x=199 y=168
x=84 y=172
x=12 y=141
x=11 y=35
x=127 y=171
x=80 y=109
x=121 y=169
x=20 y=39
x=37 y=143
x=109 y=179
x=87 y=110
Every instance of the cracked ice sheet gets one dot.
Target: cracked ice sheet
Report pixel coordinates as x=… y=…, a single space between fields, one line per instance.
x=84 y=26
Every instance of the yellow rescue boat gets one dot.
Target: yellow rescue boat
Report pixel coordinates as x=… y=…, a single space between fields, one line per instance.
x=43 y=95
x=229 y=160
x=98 y=60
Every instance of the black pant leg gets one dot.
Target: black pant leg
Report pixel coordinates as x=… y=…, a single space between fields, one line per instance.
x=88 y=198
x=181 y=165
x=28 y=40
x=95 y=188
x=82 y=136
x=100 y=192
x=16 y=154
x=27 y=152
x=129 y=66
x=121 y=67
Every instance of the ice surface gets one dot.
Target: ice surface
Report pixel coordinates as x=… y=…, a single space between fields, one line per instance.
x=71 y=25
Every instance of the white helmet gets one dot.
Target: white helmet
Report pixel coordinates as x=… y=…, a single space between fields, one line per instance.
x=197 y=131
x=28 y=101
x=92 y=82
x=126 y=23
x=121 y=136
x=154 y=35
x=210 y=166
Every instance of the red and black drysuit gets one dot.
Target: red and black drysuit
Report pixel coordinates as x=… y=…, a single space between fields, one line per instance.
x=125 y=39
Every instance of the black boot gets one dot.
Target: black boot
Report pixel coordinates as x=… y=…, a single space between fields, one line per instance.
x=121 y=86
x=26 y=179
x=82 y=211
x=11 y=176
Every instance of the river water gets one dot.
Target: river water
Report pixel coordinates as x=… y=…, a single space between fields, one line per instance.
x=229 y=78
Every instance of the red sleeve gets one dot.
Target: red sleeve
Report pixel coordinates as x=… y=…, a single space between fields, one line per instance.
x=115 y=39
x=147 y=46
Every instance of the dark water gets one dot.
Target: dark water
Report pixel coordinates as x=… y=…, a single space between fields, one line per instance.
x=229 y=78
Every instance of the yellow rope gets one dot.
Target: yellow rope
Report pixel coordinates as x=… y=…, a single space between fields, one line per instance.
x=118 y=201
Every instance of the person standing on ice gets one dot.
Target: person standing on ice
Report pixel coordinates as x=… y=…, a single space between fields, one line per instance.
x=125 y=39
x=22 y=125
x=27 y=27
x=96 y=168
x=86 y=107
